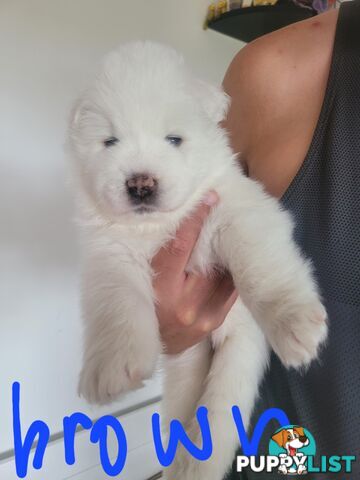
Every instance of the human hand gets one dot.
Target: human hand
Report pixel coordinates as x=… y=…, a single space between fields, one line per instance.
x=189 y=306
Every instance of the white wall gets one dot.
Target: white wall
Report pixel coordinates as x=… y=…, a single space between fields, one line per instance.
x=48 y=51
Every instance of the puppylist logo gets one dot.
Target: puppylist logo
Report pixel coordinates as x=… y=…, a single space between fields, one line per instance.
x=292 y=450
x=293 y=445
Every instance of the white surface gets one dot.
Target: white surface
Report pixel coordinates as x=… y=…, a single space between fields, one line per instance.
x=141 y=462
x=48 y=51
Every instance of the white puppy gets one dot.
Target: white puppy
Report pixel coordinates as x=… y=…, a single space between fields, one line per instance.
x=147 y=146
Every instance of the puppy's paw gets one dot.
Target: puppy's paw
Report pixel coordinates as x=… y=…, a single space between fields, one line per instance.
x=185 y=467
x=107 y=375
x=282 y=470
x=302 y=470
x=296 y=339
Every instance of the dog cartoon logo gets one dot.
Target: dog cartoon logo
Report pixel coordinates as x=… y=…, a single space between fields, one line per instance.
x=292 y=444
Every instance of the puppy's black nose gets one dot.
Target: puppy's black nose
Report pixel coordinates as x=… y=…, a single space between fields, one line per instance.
x=303 y=439
x=142 y=188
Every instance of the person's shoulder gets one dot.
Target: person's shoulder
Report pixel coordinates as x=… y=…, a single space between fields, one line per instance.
x=273 y=80
x=278 y=54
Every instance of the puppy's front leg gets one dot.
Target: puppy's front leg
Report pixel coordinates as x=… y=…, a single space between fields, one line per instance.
x=121 y=331
x=185 y=378
x=275 y=281
x=239 y=361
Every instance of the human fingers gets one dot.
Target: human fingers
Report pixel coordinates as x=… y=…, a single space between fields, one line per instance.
x=170 y=262
x=219 y=304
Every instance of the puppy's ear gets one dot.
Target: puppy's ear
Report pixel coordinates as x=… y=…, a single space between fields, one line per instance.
x=280 y=438
x=214 y=101
x=300 y=431
x=78 y=113
x=87 y=121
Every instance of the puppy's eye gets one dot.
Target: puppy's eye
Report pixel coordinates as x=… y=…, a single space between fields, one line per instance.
x=174 y=140
x=109 y=142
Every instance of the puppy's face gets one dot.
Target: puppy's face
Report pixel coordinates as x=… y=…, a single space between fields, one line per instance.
x=145 y=136
x=291 y=439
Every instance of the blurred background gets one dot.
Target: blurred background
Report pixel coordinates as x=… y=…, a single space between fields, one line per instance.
x=49 y=49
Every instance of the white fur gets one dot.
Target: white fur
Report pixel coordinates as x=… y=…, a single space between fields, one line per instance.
x=143 y=93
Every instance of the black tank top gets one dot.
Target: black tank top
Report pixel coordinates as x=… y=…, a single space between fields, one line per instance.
x=324 y=199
